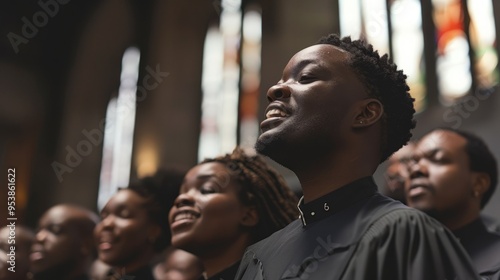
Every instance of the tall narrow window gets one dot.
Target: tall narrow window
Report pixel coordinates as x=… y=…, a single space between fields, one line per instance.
x=213 y=60
x=375 y=26
x=250 y=82
x=408 y=46
x=365 y=19
x=453 y=61
x=221 y=83
x=482 y=37
x=350 y=18
x=119 y=130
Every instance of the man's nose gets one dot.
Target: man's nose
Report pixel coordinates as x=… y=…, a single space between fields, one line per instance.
x=279 y=91
x=417 y=169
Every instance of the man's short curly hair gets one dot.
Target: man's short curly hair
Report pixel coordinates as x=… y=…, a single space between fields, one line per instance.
x=385 y=83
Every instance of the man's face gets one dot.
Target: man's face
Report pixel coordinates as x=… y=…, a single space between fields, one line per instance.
x=57 y=241
x=397 y=174
x=310 y=110
x=441 y=181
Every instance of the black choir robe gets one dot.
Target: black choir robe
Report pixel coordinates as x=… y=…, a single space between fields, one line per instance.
x=227 y=274
x=356 y=233
x=483 y=248
x=143 y=273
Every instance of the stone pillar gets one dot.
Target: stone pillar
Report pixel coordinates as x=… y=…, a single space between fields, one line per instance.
x=168 y=116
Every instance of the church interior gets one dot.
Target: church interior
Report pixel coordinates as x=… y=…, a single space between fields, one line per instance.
x=97 y=93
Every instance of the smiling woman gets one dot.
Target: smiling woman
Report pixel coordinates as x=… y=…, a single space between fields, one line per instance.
x=226 y=204
x=134 y=225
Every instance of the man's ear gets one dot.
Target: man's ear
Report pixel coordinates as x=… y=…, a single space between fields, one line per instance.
x=481 y=183
x=250 y=217
x=369 y=112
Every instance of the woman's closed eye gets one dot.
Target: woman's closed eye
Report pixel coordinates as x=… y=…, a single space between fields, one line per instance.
x=124 y=213
x=209 y=188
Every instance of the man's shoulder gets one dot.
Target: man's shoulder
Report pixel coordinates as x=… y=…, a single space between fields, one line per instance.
x=405 y=220
x=376 y=213
x=491 y=242
x=383 y=212
x=279 y=237
x=377 y=228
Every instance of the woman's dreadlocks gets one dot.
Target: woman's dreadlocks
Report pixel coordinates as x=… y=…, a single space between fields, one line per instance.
x=263 y=188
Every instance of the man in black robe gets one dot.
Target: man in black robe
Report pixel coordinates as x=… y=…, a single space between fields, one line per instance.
x=453 y=177
x=338 y=111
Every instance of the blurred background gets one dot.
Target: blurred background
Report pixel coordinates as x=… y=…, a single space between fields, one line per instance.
x=96 y=93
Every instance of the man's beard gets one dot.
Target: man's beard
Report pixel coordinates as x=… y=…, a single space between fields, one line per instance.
x=261 y=147
x=279 y=151
x=269 y=147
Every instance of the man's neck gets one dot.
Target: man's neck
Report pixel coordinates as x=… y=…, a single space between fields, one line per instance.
x=321 y=180
x=458 y=222
x=312 y=191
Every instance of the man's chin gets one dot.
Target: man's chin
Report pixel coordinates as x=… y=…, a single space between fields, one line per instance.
x=263 y=146
x=272 y=149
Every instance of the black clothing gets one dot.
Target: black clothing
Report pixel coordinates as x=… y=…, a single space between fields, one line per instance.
x=144 y=273
x=357 y=233
x=227 y=274
x=491 y=223
x=483 y=248
x=41 y=276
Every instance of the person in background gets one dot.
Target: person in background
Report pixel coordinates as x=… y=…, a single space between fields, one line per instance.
x=338 y=111
x=63 y=248
x=98 y=270
x=226 y=204
x=134 y=225
x=396 y=174
x=491 y=223
x=178 y=265
x=17 y=242
x=452 y=178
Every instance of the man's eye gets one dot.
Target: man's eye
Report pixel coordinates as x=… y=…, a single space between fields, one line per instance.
x=56 y=229
x=306 y=79
x=124 y=213
x=439 y=159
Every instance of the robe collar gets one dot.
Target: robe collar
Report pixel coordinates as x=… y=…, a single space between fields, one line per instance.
x=336 y=200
